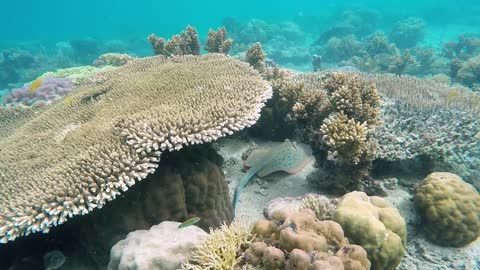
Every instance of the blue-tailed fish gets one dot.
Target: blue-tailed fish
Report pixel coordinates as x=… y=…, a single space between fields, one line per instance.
x=189 y=222
x=283 y=157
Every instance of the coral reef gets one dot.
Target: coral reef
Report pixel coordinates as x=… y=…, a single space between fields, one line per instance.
x=39 y=91
x=376 y=226
x=449 y=207
x=79 y=75
x=112 y=59
x=111 y=135
x=155 y=249
x=185 y=43
x=296 y=240
x=323 y=207
x=256 y=57
x=219 y=250
x=408 y=32
x=217 y=41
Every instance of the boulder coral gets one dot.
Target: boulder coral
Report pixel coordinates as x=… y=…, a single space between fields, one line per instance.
x=376 y=226
x=449 y=207
x=297 y=240
x=112 y=134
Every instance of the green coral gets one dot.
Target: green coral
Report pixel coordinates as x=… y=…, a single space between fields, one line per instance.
x=450 y=209
x=376 y=226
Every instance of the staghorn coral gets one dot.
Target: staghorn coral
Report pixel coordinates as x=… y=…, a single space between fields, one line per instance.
x=185 y=43
x=296 y=240
x=120 y=127
x=217 y=41
x=219 y=250
x=449 y=207
x=376 y=226
x=345 y=138
x=256 y=57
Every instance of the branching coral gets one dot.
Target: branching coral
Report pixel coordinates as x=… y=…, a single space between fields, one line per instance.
x=355 y=97
x=323 y=207
x=256 y=57
x=219 y=250
x=345 y=138
x=217 y=41
x=184 y=43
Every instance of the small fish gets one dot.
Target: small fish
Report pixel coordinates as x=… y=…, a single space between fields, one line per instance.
x=189 y=222
x=68 y=100
x=53 y=260
x=35 y=84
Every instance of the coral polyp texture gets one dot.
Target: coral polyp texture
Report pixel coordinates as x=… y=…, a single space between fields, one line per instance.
x=297 y=240
x=112 y=133
x=376 y=226
x=40 y=90
x=450 y=209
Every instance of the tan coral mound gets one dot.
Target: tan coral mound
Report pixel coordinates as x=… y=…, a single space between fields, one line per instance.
x=450 y=208
x=74 y=155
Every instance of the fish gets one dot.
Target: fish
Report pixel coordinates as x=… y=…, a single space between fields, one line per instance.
x=189 y=222
x=285 y=157
x=53 y=259
x=68 y=100
x=35 y=85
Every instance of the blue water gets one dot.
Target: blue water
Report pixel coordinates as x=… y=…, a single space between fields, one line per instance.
x=57 y=20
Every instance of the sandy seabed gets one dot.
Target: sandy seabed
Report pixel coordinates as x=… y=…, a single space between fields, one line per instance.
x=420 y=254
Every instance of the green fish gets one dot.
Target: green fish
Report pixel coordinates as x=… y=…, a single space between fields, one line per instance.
x=189 y=222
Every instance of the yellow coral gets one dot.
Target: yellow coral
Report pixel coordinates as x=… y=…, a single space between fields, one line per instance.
x=219 y=251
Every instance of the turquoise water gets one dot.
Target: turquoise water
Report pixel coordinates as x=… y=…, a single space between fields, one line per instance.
x=428 y=119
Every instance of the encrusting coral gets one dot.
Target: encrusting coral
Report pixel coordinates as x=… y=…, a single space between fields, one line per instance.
x=185 y=43
x=376 y=226
x=449 y=207
x=217 y=41
x=113 y=132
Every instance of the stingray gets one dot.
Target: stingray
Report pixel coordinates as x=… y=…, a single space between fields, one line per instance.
x=283 y=157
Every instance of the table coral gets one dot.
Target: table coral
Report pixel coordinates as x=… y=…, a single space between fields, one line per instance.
x=112 y=134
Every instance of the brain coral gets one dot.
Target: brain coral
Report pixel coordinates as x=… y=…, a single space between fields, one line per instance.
x=376 y=226
x=69 y=158
x=450 y=207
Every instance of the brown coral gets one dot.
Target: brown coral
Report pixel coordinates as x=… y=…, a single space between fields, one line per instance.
x=450 y=209
x=217 y=41
x=256 y=57
x=112 y=134
x=185 y=43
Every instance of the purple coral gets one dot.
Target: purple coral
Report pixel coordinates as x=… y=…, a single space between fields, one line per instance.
x=49 y=89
